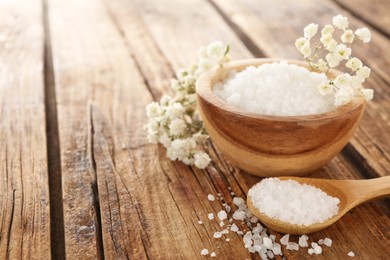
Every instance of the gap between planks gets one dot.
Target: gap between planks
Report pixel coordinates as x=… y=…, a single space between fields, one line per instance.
x=53 y=147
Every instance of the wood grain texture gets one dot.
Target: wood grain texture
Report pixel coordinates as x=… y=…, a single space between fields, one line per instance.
x=155 y=17
x=374 y=12
x=259 y=21
x=24 y=190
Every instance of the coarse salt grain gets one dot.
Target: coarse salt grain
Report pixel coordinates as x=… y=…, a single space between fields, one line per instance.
x=328 y=242
x=303 y=241
x=217 y=235
x=210 y=197
x=351 y=254
x=222 y=215
x=210 y=216
x=200 y=222
x=276 y=89
x=239 y=215
x=213 y=254
x=204 y=251
x=292 y=202
x=284 y=239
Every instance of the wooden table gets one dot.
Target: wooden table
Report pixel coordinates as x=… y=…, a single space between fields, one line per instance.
x=78 y=179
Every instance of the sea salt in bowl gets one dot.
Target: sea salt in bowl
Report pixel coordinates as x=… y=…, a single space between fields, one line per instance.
x=266 y=145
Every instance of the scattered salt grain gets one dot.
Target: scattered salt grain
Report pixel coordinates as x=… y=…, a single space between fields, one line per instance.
x=272 y=237
x=217 y=235
x=292 y=246
x=303 y=241
x=227 y=239
x=210 y=197
x=276 y=89
x=318 y=250
x=232 y=193
x=328 y=242
x=204 y=251
x=270 y=254
x=267 y=242
x=239 y=215
x=292 y=202
x=210 y=216
x=213 y=254
x=225 y=231
x=254 y=219
x=314 y=244
x=351 y=254
x=284 y=239
x=310 y=251
x=200 y=222
x=320 y=242
x=234 y=228
x=222 y=215
x=221 y=224
x=238 y=201
x=277 y=249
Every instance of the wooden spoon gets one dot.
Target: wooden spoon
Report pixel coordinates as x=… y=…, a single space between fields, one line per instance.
x=350 y=192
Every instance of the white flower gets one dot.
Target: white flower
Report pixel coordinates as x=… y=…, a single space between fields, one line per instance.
x=175 y=110
x=310 y=30
x=153 y=110
x=332 y=60
x=165 y=140
x=356 y=81
x=181 y=148
x=200 y=138
x=368 y=94
x=152 y=127
x=205 y=65
x=325 y=88
x=216 y=48
x=328 y=29
x=305 y=50
x=322 y=65
x=202 y=160
x=327 y=39
x=331 y=45
x=300 y=42
x=188 y=161
x=165 y=100
x=343 y=52
x=347 y=36
x=343 y=96
x=177 y=126
x=340 y=22
x=354 y=64
x=342 y=81
x=363 y=34
x=364 y=72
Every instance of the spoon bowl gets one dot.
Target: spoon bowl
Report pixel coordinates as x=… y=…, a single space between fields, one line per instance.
x=350 y=193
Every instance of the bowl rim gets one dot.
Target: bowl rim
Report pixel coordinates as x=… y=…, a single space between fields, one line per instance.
x=204 y=90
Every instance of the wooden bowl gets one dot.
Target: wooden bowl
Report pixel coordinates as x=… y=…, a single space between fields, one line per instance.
x=274 y=145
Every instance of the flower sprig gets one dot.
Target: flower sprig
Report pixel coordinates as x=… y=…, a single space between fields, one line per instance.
x=174 y=121
x=327 y=53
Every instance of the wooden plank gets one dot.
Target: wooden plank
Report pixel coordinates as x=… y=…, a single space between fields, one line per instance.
x=157 y=17
x=24 y=190
x=371 y=143
x=374 y=12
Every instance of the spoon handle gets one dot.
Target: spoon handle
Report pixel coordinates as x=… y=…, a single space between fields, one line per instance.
x=366 y=190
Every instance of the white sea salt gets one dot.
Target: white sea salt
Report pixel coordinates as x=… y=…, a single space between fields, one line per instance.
x=222 y=215
x=210 y=216
x=204 y=251
x=200 y=222
x=292 y=246
x=267 y=242
x=275 y=89
x=217 y=235
x=239 y=215
x=213 y=254
x=284 y=239
x=303 y=241
x=234 y=228
x=210 y=197
x=292 y=202
x=328 y=242
x=351 y=254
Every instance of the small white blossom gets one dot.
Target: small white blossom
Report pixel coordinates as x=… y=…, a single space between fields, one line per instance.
x=327 y=39
x=165 y=140
x=332 y=60
x=300 y=42
x=215 y=49
x=310 y=30
x=321 y=65
x=354 y=64
x=347 y=36
x=356 y=81
x=305 y=50
x=325 y=88
x=342 y=81
x=175 y=110
x=368 y=94
x=343 y=52
x=153 y=110
x=332 y=45
x=202 y=160
x=177 y=126
x=364 y=72
x=165 y=100
x=340 y=22
x=363 y=34
x=328 y=29
x=343 y=96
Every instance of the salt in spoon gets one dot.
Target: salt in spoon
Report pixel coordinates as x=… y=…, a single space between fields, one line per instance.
x=350 y=193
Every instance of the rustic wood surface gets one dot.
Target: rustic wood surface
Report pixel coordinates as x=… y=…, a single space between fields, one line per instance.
x=78 y=178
